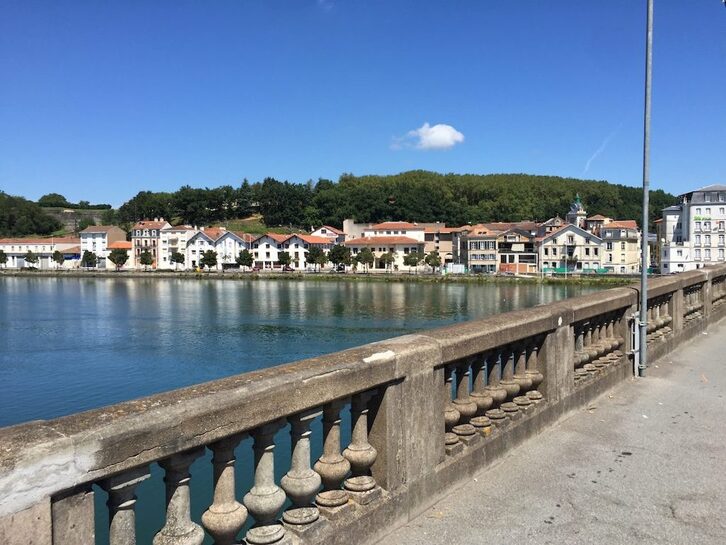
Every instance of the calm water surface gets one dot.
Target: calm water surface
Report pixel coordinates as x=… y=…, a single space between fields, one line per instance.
x=78 y=343
x=73 y=344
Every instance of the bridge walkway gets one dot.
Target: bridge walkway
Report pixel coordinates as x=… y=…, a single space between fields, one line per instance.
x=644 y=463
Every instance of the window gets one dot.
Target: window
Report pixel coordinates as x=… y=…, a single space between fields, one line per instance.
x=610 y=258
x=679 y=253
x=608 y=245
x=622 y=246
x=587 y=251
x=570 y=239
x=698 y=225
x=708 y=211
x=720 y=240
x=707 y=197
x=698 y=253
x=596 y=251
x=546 y=251
x=698 y=239
x=707 y=254
x=708 y=240
x=554 y=251
x=698 y=211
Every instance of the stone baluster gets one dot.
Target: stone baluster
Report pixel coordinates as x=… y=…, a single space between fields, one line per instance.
x=580 y=353
x=495 y=390
x=301 y=483
x=507 y=380
x=332 y=465
x=451 y=415
x=591 y=350
x=464 y=404
x=179 y=528
x=121 y=505
x=265 y=499
x=360 y=453
x=520 y=368
x=533 y=372
x=479 y=394
x=226 y=516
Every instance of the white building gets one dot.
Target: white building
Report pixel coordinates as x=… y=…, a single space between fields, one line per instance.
x=336 y=236
x=174 y=240
x=693 y=231
x=97 y=238
x=146 y=237
x=266 y=249
x=570 y=248
x=16 y=249
x=228 y=246
x=202 y=241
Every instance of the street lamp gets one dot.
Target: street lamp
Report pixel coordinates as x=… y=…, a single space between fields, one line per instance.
x=643 y=346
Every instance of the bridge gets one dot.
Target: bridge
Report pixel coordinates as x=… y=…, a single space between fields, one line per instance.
x=422 y=438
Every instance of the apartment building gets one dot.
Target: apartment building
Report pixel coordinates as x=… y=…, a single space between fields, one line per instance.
x=692 y=232
x=621 y=251
x=517 y=252
x=481 y=249
x=97 y=239
x=174 y=240
x=146 y=237
x=200 y=242
x=336 y=236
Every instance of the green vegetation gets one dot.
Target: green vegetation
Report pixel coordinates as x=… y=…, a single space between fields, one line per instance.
x=177 y=258
x=89 y=259
x=284 y=259
x=3 y=258
x=58 y=257
x=422 y=196
x=31 y=258
x=20 y=217
x=56 y=200
x=433 y=260
x=209 y=259
x=146 y=259
x=340 y=255
x=118 y=257
x=245 y=258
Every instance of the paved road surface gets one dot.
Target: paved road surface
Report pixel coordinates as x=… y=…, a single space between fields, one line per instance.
x=645 y=464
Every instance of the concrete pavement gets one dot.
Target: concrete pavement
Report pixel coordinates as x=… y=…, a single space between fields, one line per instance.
x=644 y=463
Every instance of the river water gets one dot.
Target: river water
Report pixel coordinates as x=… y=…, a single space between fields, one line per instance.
x=72 y=344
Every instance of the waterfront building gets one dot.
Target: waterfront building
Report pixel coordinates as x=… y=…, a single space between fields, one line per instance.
x=173 y=240
x=444 y=240
x=622 y=242
x=97 y=238
x=692 y=232
x=570 y=249
x=202 y=241
x=399 y=245
x=481 y=249
x=517 y=252
x=124 y=245
x=228 y=246
x=145 y=237
x=266 y=248
x=16 y=249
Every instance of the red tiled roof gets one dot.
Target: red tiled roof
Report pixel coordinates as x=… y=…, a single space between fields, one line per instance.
x=597 y=217
x=443 y=229
x=247 y=237
x=507 y=225
x=277 y=237
x=180 y=228
x=621 y=224
x=310 y=239
x=214 y=232
x=146 y=224
x=71 y=250
x=119 y=245
x=382 y=241
x=396 y=225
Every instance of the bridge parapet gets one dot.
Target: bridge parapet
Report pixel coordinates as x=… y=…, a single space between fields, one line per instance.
x=427 y=412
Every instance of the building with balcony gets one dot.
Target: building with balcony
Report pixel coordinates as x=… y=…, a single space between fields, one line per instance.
x=692 y=232
x=146 y=237
x=16 y=250
x=173 y=240
x=570 y=249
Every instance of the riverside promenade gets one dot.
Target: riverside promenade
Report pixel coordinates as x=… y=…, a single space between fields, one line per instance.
x=642 y=463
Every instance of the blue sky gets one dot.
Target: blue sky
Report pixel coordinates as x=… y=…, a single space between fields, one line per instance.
x=99 y=100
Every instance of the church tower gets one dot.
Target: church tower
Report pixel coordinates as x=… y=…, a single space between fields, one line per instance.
x=577 y=214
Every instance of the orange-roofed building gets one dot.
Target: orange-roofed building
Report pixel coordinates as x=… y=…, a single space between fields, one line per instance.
x=16 y=250
x=399 y=245
x=146 y=237
x=337 y=236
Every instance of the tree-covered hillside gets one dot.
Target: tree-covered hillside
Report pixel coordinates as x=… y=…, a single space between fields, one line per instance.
x=422 y=196
x=20 y=217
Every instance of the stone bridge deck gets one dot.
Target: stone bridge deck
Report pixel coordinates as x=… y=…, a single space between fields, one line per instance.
x=645 y=463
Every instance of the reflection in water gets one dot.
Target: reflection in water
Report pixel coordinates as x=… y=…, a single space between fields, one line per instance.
x=74 y=344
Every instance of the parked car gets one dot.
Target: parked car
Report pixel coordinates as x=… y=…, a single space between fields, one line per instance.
x=287 y=268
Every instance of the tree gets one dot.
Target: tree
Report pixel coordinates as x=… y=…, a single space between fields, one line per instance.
x=387 y=259
x=339 y=255
x=54 y=200
x=245 y=258
x=146 y=259
x=59 y=258
x=31 y=258
x=109 y=217
x=284 y=259
x=89 y=259
x=177 y=258
x=209 y=259
x=314 y=255
x=3 y=258
x=433 y=260
x=322 y=259
x=412 y=259
x=118 y=257
x=366 y=258
x=20 y=217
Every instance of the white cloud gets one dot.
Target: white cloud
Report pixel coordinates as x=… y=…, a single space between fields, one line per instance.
x=426 y=137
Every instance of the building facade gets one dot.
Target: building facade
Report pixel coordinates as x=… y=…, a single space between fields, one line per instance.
x=97 y=239
x=146 y=237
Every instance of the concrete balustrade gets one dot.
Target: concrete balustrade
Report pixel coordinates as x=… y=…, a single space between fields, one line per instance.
x=428 y=411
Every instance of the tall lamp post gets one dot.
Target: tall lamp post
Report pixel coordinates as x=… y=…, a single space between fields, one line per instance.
x=643 y=359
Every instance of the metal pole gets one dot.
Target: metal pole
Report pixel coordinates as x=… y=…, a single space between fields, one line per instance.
x=643 y=361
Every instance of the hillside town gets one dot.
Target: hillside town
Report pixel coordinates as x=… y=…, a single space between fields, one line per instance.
x=690 y=235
